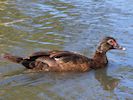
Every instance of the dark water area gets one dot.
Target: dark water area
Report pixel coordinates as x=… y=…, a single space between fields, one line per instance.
x=77 y=25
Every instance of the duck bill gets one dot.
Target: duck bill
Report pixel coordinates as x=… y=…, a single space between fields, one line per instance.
x=119 y=47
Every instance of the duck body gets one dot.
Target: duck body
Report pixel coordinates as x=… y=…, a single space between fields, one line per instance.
x=54 y=61
x=65 y=60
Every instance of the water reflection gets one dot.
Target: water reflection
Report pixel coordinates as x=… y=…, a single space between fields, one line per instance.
x=106 y=81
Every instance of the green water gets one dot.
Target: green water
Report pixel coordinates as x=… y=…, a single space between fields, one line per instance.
x=27 y=26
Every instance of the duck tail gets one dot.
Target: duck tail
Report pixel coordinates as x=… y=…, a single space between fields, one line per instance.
x=12 y=58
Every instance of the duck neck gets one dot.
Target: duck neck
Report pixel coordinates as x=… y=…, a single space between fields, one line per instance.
x=99 y=59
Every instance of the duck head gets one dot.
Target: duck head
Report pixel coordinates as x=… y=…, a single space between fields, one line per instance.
x=108 y=43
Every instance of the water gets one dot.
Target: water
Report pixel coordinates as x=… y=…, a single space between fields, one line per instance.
x=77 y=25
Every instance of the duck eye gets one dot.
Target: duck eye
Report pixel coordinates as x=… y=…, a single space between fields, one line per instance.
x=111 y=42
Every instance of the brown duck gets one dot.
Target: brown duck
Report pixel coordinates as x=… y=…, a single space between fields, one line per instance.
x=66 y=60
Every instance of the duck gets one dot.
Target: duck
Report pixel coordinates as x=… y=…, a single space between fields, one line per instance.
x=62 y=61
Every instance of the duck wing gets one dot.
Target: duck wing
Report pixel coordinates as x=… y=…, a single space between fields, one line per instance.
x=42 y=59
x=71 y=61
x=57 y=61
x=66 y=56
x=50 y=57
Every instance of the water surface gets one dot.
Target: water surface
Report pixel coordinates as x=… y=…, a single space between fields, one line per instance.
x=77 y=25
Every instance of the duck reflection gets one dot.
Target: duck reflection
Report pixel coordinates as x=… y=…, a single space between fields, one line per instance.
x=107 y=82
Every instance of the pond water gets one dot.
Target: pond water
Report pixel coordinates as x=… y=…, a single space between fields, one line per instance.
x=76 y=25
